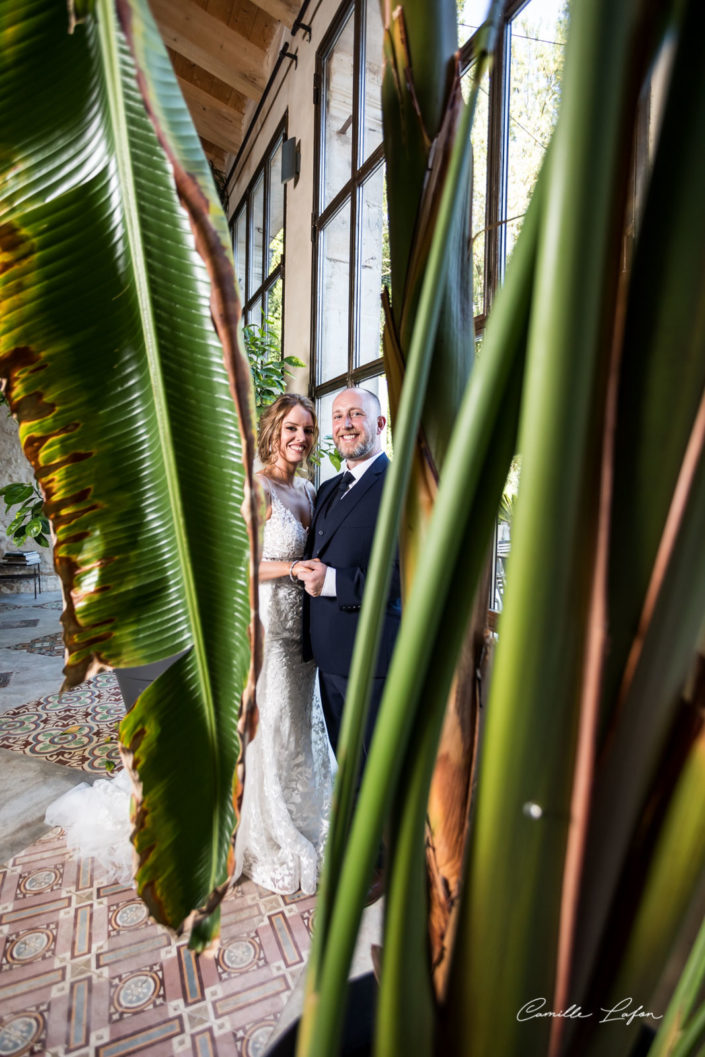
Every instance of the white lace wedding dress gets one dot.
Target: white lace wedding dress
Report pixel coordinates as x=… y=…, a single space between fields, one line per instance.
x=289 y=764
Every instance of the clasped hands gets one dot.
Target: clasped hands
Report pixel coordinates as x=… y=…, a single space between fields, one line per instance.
x=311 y=572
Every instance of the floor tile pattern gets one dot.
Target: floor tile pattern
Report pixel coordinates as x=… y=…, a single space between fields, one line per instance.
x=49 y=645
x=85 y=973
x=78 y=728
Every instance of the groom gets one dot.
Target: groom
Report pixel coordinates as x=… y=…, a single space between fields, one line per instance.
x=339 y=545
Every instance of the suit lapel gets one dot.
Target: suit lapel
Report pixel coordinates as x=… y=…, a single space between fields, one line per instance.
x=343 y=507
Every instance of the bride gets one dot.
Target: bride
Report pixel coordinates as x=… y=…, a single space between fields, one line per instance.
x=289 y=763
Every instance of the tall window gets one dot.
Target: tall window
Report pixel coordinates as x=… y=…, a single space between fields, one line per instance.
x=516 y=112
x=258 y=242
x=350 y=257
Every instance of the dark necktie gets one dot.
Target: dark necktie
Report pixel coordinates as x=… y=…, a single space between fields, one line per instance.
x=345 y=481
x=339 y=491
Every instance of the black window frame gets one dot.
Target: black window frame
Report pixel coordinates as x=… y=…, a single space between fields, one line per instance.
x=250 y=298
x=351 y=191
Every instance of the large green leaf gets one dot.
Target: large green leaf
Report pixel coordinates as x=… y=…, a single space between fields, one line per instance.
x=653 y=635
x=511 y=910
x=125 y=403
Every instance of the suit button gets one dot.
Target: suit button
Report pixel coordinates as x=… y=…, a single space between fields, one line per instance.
x=320 y=532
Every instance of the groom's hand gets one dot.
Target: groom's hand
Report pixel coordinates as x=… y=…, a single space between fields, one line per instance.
x=312 y=576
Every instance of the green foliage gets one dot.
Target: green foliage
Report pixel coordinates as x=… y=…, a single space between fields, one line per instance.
x=268 y=367
x=134 y=404
x=326 y=449
x=507 y=503
x=29 y=521
x=589 y=776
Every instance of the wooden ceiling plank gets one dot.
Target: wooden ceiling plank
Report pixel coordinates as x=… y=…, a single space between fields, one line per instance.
x=202 y=98
x=214 y=154
x=219 y=131
x=216 y=131
x=209 y=43
x=227 y=121
x=191 y=74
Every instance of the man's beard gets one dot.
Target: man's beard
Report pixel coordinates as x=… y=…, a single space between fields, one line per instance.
x=364 y=448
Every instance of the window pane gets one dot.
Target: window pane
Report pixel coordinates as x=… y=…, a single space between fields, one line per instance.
x=334 y=299
x=371 y=240
x=257 y=244
x=536 y=47
x=275 y=237
x=240 y=249
x=372 y=117
x=273 y=311
x=378 y=386
x=338 y=113
x=471 y=15
x=479 y=137
x=254 y=316
x=324 y=410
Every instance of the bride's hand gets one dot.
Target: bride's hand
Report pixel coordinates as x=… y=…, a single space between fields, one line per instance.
x=312 y=575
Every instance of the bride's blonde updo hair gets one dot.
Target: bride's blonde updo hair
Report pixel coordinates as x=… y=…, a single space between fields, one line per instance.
x=270 y=425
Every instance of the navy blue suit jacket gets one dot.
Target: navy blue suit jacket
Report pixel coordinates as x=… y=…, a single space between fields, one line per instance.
x=343 y=540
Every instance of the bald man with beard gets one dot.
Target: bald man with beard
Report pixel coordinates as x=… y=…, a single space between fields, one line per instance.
x=338 y=553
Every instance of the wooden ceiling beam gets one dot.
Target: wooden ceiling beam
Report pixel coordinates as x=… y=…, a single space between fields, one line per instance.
x=282 y=10
x=211 y=44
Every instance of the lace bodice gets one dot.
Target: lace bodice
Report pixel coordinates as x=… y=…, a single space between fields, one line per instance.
x=280 y=600
x=284 y=535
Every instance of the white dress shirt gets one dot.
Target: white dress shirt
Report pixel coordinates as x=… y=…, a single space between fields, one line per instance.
x=329 y=584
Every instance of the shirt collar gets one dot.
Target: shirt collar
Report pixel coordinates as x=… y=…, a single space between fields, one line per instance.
x=362 y=467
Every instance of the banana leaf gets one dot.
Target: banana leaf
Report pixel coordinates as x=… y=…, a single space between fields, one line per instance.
x=115 y=267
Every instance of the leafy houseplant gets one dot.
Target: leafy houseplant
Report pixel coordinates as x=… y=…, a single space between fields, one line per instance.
x=269 y=368
x=29 y=522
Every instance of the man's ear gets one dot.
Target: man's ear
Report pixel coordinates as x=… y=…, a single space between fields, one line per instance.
x=381 y=423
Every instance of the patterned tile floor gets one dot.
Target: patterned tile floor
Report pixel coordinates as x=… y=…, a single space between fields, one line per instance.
x=78 y=728
x=83 y=971
x=48 y=645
